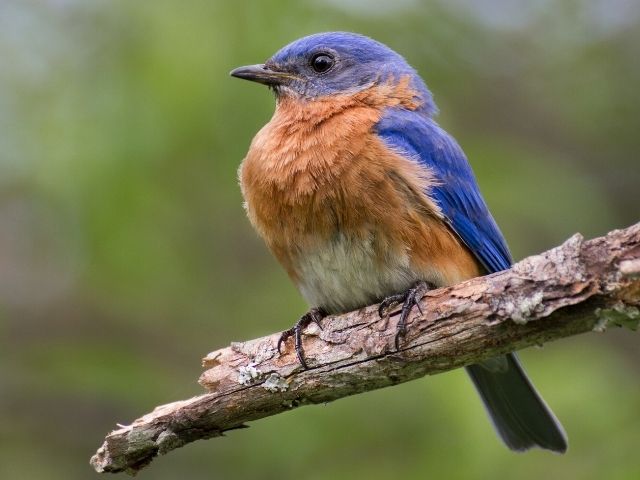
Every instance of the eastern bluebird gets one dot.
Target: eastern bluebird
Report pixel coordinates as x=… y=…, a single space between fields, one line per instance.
x=363 y=198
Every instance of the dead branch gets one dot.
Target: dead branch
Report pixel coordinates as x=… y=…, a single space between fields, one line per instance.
x=577 y=287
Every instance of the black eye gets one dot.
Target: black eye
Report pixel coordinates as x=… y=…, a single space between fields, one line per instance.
x=321 y=62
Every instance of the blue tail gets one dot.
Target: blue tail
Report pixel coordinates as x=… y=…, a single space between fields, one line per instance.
x=517 y=411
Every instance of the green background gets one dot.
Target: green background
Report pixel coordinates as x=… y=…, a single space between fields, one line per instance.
x=125 y=254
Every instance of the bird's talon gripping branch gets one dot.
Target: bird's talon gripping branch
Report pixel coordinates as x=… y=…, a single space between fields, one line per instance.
x=409 y=299
x=315 y=315
x=389 y=301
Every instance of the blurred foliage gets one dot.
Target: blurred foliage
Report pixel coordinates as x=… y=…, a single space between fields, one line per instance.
x=125 y=254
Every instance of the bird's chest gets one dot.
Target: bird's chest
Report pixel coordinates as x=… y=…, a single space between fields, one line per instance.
x=346 y=217
x=304 y=175
x=337 y=230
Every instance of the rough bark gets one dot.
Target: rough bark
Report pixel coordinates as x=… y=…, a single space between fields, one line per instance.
x=577 y=287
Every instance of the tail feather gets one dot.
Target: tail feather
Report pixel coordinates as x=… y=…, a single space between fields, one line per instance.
x=519 y=414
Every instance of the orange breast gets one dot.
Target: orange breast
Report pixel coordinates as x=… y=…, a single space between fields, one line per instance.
x=347 y=217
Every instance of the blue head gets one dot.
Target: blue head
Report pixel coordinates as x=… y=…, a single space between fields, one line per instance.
x=334 y=63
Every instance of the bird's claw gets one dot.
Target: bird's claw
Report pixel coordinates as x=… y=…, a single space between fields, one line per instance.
x=409 y=299
x=390 y=300
x=315 y=315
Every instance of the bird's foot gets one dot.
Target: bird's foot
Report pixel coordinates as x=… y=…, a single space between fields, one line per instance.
x=315 y=315
x=409 y=299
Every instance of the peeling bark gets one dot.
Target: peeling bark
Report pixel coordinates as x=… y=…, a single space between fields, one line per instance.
x=577 y=287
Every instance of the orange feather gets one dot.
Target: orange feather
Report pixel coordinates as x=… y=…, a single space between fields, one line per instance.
x=347 y=217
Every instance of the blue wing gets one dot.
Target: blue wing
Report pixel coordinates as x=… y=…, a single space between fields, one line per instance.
x=421 y=139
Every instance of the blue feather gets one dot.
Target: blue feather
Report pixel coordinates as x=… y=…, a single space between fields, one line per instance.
x=421 y=139
x=363 y=62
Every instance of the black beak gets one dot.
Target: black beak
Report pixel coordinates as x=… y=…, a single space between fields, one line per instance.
x=262 y=74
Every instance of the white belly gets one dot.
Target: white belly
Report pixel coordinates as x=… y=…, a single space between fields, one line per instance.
x=345 y=274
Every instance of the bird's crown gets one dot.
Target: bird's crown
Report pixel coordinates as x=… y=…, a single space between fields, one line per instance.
x=335 y=63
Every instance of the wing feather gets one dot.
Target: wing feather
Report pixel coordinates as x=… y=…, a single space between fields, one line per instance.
x=421 y=139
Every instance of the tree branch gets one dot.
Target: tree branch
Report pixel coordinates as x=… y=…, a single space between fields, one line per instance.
x=577 y=287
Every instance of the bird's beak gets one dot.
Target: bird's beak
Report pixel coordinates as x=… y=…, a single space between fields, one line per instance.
x=262 y=74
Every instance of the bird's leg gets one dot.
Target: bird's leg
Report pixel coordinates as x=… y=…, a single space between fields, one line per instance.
x=409 y=299
x=312 y=316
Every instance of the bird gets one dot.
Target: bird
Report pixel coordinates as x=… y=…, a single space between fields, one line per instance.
x=363 y=199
